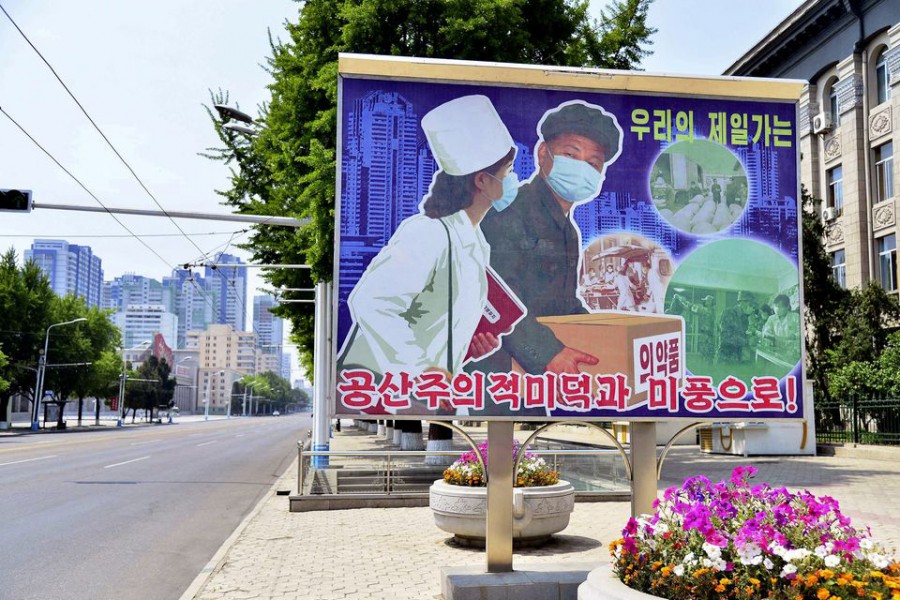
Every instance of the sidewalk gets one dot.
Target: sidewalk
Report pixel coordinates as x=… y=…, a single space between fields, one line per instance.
x=397 y=553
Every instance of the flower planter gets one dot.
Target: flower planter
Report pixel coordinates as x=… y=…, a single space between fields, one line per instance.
x=538 y=512
x=602 y=584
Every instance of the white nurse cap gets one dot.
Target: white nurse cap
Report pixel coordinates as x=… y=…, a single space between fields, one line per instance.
x=466 y=135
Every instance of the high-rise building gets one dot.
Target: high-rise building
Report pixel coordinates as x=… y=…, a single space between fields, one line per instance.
x=141 y=322
x=269 y=330
x=225 y=355
x=849 y=55
x=125 y=290
x=230 y=284
x=71 y=269
x=286 y=365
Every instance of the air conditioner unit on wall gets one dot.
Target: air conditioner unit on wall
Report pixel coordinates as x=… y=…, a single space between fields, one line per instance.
x=830 y=213
x=822 y=123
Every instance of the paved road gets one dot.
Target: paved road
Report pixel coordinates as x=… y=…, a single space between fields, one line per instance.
x=133 y=513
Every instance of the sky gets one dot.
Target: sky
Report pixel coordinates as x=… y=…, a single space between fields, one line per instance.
x=143 y=71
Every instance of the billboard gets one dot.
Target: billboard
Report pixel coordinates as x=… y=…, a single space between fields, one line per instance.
x=531 y=243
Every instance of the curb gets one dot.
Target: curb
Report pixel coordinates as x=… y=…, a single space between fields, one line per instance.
x=221 y=554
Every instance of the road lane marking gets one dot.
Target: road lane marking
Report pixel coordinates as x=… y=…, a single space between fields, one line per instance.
x=207 y=443
x=16 y=462
x=240 y=435
x=126 y=462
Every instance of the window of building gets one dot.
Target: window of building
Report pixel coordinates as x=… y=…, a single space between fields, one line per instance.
x=839 y=267
x=834 y=105
x=882 y=84
x=887 y=262
x=835 y=178
x=884 y=178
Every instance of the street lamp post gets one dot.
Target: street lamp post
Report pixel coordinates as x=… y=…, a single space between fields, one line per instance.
x=206 y=400
x=42 y=367
x=121 y=420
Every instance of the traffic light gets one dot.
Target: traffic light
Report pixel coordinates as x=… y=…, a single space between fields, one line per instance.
x=15 y=201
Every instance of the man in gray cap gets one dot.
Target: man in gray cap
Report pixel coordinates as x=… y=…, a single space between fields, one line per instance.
x=536 y=246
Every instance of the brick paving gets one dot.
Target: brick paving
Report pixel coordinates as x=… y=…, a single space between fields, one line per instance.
x=397 y=553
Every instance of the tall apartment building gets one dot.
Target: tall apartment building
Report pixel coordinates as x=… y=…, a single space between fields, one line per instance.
x=849 y=124
x=125 y=290
x=72 y=269
x=269 y=331
x=230 y=285
x=141 y=322
x=224 y=356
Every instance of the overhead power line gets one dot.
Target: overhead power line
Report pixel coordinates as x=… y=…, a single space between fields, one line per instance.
x=97 y=127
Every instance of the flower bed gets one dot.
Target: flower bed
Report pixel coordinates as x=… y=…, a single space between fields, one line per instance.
x=533 y=470
x=737 y=540
x=541 y=506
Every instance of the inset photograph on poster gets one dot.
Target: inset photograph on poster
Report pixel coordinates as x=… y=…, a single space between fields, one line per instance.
x=739 y=300
x=699 y=187
x=625 y=271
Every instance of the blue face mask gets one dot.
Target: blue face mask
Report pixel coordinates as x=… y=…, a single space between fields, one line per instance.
x=510 y=191
x=574 y=180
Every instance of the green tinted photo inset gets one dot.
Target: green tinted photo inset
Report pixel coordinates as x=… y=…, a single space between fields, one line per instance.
x=740 y=303
x=698 y=187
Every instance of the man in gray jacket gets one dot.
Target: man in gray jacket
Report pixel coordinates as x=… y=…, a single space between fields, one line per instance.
x=535 y=245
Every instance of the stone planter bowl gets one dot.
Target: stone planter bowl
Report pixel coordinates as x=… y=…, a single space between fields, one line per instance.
x=602 y=584
x=538 y=512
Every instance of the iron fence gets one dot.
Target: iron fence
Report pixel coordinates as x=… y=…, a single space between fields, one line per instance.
x=859 y=421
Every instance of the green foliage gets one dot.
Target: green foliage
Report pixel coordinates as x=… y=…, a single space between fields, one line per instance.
x=289 y=168
x=4 y=384
x=152 y=386
x=25 y=313
x=81 y=345
x=823 y=298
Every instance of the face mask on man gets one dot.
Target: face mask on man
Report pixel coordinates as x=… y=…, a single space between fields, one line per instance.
x=574 y=180
x=510 y=190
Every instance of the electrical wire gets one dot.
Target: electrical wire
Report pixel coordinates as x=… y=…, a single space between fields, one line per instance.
x=113 y=235
x=84 y=187
x=100 y=131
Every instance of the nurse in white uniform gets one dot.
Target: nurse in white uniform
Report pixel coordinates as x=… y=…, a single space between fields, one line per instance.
x=434 y=265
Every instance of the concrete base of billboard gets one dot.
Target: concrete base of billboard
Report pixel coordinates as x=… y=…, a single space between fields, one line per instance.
x=544 y=581
x=757 y=439
x=538 y=512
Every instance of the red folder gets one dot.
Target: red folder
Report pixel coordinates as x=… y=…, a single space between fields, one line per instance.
x=502 y=310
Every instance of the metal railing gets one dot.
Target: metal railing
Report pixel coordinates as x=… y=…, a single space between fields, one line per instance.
x=392 y=465
x=858 y=420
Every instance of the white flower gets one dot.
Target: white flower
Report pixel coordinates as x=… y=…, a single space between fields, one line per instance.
x=706 y=562
x=831 y=561
x=748 y=553
x=678 y=570
x=768 y=564
x=866 y=544
x=880 y=561
x=712 y=551
x=720 y=564
x=821 y=552
x=689 y=558
x=757 y=560
x=662 y=528
x=788 y=570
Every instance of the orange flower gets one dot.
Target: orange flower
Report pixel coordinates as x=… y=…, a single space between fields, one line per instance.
x=822 y=594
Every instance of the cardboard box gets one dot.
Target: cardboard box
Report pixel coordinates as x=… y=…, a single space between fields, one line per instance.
x=622 y=342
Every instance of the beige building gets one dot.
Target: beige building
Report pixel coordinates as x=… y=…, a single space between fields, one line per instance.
x=224 y=356
x=849 y=123
x=268 y=361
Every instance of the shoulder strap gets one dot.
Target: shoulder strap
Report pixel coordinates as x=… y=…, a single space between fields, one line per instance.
x=449 y=298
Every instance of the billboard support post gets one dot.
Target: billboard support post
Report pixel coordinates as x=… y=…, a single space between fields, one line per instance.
x=320 y=358
x=499 y=541
x=643 y=467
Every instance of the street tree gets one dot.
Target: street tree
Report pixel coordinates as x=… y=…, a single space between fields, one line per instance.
x=79 y=347
x=25 y=313
x=289 y=167
x=150 y=387
x=823 y=298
